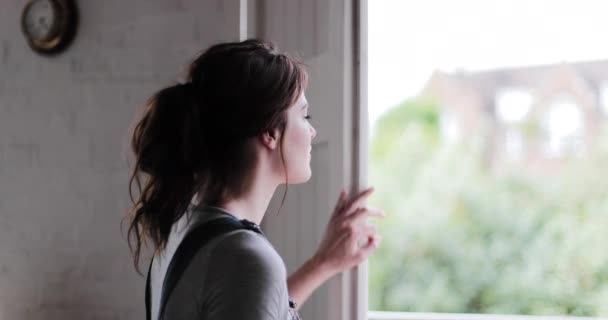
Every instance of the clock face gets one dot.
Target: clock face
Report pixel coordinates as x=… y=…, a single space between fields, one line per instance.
x=39 y=19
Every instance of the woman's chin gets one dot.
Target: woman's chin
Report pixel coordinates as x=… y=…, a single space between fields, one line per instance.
x=301 y=178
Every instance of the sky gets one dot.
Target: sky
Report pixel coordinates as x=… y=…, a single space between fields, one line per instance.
x=409 y=39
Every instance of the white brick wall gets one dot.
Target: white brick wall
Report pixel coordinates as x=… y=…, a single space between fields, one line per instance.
x=64 y=125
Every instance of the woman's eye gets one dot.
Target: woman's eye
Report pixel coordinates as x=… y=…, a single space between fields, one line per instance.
x=308 y=117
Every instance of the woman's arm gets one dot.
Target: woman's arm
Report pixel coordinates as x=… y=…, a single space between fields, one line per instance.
x=245 y=281
x=306 y=280
x=347 y=243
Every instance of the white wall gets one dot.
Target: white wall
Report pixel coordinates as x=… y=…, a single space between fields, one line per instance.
x=63 y=134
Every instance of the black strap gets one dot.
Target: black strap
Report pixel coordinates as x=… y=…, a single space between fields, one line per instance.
x=187 y=249
x=148 y=305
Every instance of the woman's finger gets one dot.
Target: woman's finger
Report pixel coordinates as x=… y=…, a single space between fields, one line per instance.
x=368 y=230
x=340 y=203
x=358 y=200
x=342 y=200
x=363 y=233
x=364 y=212
x=366 y=250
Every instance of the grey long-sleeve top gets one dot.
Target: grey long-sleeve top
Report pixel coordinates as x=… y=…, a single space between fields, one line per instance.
x=237 y=275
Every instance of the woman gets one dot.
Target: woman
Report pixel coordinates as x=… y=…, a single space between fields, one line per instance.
x=218 y=145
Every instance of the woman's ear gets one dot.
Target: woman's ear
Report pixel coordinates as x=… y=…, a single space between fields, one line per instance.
x=270 y=139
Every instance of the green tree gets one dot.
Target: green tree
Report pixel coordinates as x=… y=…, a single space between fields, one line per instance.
x=461 y=239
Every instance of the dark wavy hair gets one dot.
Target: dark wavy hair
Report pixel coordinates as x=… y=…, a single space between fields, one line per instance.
x=198 y=138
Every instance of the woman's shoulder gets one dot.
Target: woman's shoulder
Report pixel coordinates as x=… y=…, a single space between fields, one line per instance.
x=250 y=248
x=246 y=248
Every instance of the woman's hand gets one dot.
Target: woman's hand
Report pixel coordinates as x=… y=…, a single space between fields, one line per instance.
x=348 y=239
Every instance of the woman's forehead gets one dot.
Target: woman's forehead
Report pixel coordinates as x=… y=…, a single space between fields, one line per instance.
x=301 y=102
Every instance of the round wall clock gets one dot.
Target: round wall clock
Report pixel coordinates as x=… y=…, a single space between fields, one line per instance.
x=49 y=25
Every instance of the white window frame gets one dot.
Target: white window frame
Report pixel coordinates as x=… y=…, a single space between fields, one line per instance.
x=359 y=277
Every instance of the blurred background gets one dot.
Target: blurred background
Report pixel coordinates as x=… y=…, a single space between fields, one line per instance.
x=488 y=148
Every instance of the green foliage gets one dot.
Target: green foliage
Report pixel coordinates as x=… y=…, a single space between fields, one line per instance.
x=461 y=239
x=422 y=117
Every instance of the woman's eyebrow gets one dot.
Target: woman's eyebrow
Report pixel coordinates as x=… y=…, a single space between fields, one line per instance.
x=304 y=106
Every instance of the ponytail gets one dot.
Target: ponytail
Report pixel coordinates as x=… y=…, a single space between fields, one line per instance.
x=169 y=147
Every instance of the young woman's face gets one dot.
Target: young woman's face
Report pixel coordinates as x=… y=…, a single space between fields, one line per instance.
x=297 y=145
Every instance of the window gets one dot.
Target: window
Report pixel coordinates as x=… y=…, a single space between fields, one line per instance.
x=465 y=234
x=563 y=125
x=604 y=99
x=449 y=127
x=512 y=105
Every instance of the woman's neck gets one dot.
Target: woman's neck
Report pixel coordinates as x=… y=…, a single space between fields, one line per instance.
x=253 y=205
